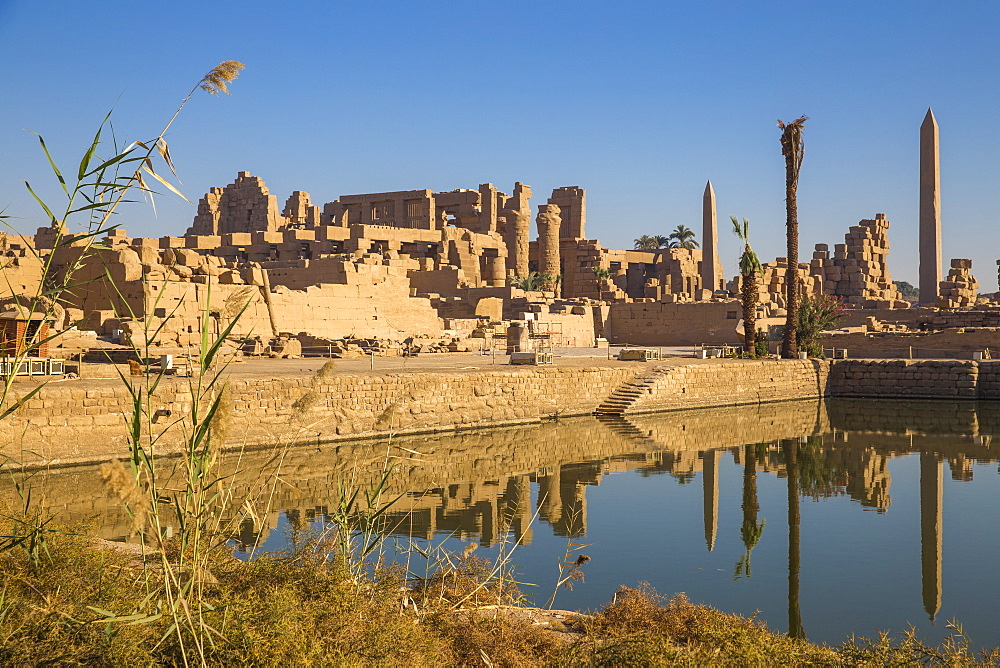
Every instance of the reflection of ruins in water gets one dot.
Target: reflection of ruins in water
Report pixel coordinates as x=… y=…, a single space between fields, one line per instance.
x=478 y=484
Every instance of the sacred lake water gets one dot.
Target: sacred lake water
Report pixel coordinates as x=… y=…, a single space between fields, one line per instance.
x=825 y=518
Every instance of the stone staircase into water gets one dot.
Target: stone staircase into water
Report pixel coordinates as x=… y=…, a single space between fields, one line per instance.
x=626 y=395
x=621 y=426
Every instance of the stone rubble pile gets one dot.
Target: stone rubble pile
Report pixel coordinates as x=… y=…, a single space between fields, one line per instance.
x=960 y=289
x=858 y=271
x=311 y=346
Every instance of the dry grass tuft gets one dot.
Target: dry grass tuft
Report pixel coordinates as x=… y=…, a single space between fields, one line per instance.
x=327 y=370
x=305 y=403
x=308 y=608
x=470 y=583
x=638 y=628
x=494 y=640
x=386 y=417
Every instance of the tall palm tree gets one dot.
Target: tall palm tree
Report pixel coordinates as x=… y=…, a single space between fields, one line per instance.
x=750 y=271
x=793 y=149
x=684 y=238
x=662 y=241
x=646 y=243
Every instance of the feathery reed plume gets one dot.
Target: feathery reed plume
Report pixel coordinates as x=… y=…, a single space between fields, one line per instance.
x=222 y=418
x=121 y=484
x=305 y=403
x=216 y=80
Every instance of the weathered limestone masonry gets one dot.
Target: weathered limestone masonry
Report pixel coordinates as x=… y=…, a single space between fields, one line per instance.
x=50 y=429
x=725 y=384
x=931 y=379
x=858 y=271
x=960 y=289
x=309 y=409
x=652 y=323
x=313 y=409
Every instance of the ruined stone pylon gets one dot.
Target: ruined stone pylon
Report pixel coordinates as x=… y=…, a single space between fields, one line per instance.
x=930 y=211
x=709 y=241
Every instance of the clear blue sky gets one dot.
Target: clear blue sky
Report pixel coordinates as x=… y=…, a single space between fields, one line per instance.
x=639 y=102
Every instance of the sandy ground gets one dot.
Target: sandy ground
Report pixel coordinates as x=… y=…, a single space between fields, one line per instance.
x=102 y=375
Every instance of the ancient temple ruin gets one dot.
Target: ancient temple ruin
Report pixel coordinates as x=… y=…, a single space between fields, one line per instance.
x=419 y=263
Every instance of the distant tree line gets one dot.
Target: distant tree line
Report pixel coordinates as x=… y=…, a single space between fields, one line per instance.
x=906 y=289
x=682 y=237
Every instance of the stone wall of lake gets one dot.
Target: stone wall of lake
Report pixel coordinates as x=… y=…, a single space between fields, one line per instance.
x=917 y=379
x=83 y=421
x=69 y=423
x=470 y=481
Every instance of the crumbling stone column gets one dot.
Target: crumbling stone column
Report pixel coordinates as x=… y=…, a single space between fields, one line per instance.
x=299 y=211
x=548 y=222
x=517 y=230
x=493 y=274
x=858 y=270
x=518 y=238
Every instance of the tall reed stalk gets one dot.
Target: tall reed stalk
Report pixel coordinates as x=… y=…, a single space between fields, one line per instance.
x=100 y=186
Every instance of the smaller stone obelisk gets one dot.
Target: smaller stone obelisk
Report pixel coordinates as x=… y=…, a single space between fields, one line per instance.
x=930 y=211
x=709 y=241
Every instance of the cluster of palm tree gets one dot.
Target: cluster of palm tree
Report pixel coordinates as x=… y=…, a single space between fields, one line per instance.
x=682 y=237
x=793 y=149
x=535 y=281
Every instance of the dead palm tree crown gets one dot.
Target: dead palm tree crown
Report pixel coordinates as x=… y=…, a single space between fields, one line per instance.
x=793 y=149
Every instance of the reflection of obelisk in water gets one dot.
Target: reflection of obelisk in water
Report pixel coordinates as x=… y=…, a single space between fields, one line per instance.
x=931 y=506
x=710 y=489
x=930 y=211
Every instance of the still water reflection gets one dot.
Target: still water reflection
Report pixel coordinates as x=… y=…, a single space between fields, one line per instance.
x=829 y=518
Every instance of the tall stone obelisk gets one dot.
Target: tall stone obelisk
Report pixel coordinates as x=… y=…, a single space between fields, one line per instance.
x=930 y=211
x=709 y=241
